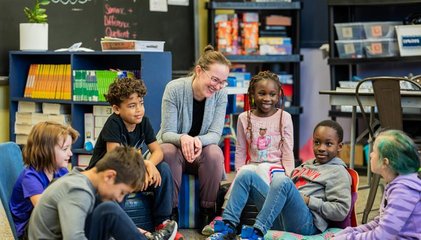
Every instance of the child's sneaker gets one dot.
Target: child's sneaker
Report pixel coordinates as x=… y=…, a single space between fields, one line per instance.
x=167 y=231
x=178 y=235
x=222 y=231
x=209 y=229
x=249 y=233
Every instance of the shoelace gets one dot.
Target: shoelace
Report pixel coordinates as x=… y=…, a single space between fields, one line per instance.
x=159 y=235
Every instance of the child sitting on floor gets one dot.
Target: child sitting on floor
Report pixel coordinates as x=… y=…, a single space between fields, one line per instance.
x=396 y=159
x=317 y=192
x=46 y=156
x=69 y=208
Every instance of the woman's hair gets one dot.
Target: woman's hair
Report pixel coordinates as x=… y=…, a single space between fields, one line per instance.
x=209 y=57
x=401 y=151
x=122 y=88
x=264 y=75
x=127 y=162
x=334 y=125
x=39 y=150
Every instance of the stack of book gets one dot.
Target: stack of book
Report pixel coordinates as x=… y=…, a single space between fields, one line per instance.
x=274 y=38
x=48 y=81
x=94 y=122
x=31 y=113
x=91 y=85
x=250 y=33
x=227 y=40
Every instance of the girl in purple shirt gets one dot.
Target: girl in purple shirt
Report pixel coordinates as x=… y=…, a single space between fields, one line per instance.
x=46 y=156
x=396 y=159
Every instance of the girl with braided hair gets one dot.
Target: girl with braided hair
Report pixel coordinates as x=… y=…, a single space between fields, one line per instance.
x=265 y=133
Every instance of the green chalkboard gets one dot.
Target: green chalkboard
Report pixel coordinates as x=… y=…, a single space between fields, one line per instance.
x=87 y=21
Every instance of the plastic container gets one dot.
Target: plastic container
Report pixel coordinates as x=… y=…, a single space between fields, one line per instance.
x=376 y=30
x=350 y=31
x=409 y=40
x=387 y=47
x=350 y=48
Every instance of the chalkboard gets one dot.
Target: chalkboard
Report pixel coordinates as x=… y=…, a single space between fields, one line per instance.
x=86 y=21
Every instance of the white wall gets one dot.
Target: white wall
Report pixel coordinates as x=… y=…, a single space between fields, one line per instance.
x=315 y=76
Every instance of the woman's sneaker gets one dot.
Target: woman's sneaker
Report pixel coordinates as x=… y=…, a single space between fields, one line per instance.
x=167 y=232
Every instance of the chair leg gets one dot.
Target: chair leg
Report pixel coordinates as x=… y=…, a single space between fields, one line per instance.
x=375 y=180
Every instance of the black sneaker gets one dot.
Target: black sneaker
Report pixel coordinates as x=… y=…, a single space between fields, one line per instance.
x=168 y=232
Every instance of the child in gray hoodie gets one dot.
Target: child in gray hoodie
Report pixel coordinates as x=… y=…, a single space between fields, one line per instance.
x=318 y=191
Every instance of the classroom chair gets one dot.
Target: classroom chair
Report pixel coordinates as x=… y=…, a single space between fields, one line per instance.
x=11 y=163
x=387 y=94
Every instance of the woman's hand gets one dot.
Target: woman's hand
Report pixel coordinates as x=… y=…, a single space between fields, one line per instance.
x=187 y=147
x=197 y=148
x=191 y=147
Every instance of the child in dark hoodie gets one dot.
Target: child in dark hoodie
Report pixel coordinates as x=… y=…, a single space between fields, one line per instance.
x=318 y=191
x=396 y=159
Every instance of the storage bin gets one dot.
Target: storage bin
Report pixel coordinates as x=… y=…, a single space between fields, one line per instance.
x=375 y=30
x=350 y=48
x=386 y=47
x=350 y=31
x=409 y=39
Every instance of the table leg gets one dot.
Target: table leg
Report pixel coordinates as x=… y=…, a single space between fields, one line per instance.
x=353 y=127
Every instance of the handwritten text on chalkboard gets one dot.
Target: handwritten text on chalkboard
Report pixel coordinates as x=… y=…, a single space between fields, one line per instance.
x=119 y=21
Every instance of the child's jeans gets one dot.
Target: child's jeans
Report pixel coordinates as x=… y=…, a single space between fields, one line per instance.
x=262 y=169
x=280 y=203
x=108 y=219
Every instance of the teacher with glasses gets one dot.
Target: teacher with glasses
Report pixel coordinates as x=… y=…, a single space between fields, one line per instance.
x=193 y=113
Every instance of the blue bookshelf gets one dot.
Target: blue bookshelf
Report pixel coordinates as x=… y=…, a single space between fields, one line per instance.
x=155 y=68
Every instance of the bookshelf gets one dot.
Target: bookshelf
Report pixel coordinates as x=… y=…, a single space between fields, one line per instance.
x=155 y=69
x=288 y=63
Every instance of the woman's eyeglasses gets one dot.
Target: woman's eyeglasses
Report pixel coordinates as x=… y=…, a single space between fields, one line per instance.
x=215 y=80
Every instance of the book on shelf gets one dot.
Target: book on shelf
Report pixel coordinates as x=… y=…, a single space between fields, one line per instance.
x=21 y=139
x=48 y=81
x=64 y=119
x=89 y=127
x=30 y=118
x=24 y=129
x=30 y=107
x=102 y=110
x=100 y=121
x=55 y=108
x=97 y=131
x=91 y=85
x=33 y=69
x=83 y=160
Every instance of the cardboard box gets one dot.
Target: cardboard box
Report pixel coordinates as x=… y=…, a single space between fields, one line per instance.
x=346 y=152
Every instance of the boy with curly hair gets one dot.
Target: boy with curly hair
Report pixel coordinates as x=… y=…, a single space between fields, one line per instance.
x=129 y=126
